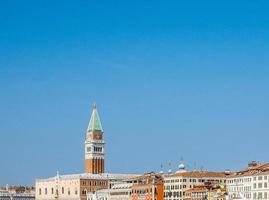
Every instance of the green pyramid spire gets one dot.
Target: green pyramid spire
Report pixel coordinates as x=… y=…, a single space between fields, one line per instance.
x=95 y=123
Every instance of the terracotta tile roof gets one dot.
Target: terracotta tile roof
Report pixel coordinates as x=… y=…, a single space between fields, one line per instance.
x=253 y=170
x=201 y=188
x=200 y=174
x=147 y=176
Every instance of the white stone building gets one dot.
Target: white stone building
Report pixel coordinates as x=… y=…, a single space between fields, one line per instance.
x=251 y=183
x=120 y=191
x=176 y=184
x=13 y=195
x=76 y=186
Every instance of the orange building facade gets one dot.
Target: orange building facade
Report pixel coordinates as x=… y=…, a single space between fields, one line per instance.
x=147 y=187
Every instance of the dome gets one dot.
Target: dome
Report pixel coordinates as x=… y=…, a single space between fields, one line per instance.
x=181 y=166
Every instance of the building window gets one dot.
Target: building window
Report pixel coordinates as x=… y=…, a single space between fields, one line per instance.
x=76 y=191
x=84 y=192
x=52 y=191
x=62 y=190
x=46 y=191
x=98 y=149
x=39 y=191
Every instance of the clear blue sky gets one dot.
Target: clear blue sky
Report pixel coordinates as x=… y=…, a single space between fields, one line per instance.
x=170 y=78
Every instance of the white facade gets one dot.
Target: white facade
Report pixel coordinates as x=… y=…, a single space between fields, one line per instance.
x=120 y=191
x=251 y=183
x=260 y=186
x=239 y=185
x=58 y=187
x=72 y=187
x=254 y=186
x=12 y=195
x=175 y=185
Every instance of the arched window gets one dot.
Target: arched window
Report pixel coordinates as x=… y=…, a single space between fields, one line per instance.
x=84 y=192
x=62 y=190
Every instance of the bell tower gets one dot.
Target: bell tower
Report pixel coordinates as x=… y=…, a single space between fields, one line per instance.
x=94 y=145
